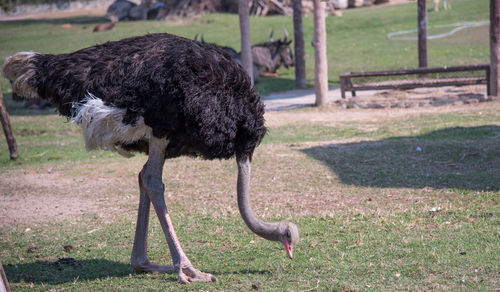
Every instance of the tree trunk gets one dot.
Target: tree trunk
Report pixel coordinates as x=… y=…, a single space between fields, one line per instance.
x=320 y=61
x=246 y=47
x=494 y=48
x=7 y=129
x=422 y=34
x=300 y=57
x=4 y=283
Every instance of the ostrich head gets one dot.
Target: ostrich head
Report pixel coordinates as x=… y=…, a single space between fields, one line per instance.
x=288 y=235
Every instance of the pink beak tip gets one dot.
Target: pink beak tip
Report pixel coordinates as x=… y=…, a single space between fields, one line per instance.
x=289 y=249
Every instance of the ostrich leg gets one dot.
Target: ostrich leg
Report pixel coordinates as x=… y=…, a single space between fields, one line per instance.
x=154 y=189
x=139 y=259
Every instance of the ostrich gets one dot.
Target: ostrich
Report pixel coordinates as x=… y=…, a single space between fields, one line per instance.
x=165 y=96
x=232 y=52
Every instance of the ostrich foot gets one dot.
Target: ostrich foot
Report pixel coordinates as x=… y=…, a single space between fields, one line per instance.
x=149 y=267
x=188 y=274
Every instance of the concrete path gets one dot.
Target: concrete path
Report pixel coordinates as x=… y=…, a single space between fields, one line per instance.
x=301 y=98
x=295 y=98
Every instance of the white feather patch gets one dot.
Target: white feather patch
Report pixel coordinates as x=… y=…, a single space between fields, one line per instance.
x=103 y=127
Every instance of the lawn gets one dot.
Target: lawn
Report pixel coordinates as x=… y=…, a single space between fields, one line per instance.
x=373 y=211
x=385 y=199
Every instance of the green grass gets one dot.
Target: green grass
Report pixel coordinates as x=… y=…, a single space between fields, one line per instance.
x=356 y=41
x=50 y=138
x=421 y=250
x=363 y=208
x=425 y=126
x=353 y=180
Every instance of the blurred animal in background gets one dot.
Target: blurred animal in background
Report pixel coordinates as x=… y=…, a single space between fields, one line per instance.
x=271 y=55
x=267 y=57
x=106 y=26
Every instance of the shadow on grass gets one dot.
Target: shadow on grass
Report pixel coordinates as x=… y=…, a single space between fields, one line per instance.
x=462 y=158
x=51 y=273
x=90 y=269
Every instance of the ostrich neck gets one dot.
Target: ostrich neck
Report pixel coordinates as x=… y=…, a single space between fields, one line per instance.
x=266 y=230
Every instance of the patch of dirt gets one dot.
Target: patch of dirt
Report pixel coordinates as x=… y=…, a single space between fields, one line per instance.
x=419 y=97
x=334 y=114
x=94 y=11
x=371 y=105
x=109 y=188
x=45 y=193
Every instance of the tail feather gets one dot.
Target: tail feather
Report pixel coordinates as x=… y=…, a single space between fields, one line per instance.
x=20 y=69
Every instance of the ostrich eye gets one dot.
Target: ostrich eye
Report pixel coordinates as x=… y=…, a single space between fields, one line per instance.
x=288 y=235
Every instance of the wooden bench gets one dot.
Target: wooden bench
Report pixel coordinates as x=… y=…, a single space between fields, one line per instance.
x=347 y=79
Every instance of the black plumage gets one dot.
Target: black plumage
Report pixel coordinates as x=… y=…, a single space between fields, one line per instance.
x=193 y=94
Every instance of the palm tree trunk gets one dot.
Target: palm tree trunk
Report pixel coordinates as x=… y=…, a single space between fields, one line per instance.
x=494 y=89
x=300 y=58
x=320 y=61
x=246 y=47
x=422 y=34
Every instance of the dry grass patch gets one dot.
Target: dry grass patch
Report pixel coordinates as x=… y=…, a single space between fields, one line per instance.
x=353 y=174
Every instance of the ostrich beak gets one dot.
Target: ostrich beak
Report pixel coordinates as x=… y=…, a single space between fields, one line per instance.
x=289 y=249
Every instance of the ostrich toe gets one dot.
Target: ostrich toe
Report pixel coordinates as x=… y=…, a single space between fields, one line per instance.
x=150 y=267
x=189 y=274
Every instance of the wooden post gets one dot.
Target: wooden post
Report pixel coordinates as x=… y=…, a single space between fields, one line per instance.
x=4 y=283
x=300 y=56
x=422 y=34
x=494 y=88
x=320 y=61
x=7 y=129
x=246 y=46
